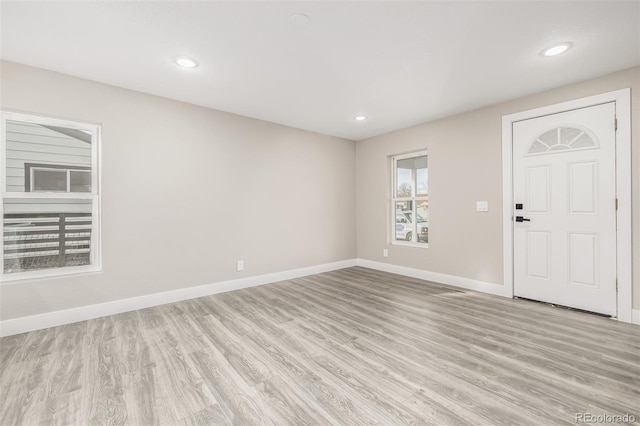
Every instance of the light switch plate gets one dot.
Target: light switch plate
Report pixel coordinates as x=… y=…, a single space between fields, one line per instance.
x=482 y=206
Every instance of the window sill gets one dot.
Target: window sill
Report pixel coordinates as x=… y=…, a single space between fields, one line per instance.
x=410 y=244
x=46 y=274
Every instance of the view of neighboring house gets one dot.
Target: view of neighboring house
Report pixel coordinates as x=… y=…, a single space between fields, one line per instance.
x=52 y=231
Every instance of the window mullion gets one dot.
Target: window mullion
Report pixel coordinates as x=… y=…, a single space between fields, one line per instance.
x=414 y=217
x=394 y=190
x=414 y=180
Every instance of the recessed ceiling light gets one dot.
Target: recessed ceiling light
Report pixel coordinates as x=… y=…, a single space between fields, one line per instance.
x=186 y=62
x=556 y=49
x=300 y=19
x=360 y=117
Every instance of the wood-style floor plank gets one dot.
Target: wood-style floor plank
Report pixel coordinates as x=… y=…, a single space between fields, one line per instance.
x=347 y=347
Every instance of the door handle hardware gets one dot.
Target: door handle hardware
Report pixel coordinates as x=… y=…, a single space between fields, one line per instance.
x=522 y=219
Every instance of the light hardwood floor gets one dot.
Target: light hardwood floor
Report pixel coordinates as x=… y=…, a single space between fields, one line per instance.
x=348 y=347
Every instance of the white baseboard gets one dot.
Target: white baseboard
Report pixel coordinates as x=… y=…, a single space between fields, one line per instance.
x=68 y=316
x=51 y=319
x=454 y=281
x=451 y=280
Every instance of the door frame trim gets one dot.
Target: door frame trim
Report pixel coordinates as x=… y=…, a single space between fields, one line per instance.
x=622 y=99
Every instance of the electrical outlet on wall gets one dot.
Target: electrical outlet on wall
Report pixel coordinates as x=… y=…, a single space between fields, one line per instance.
x=482 y=206
x=240 y=265
x=385 y=252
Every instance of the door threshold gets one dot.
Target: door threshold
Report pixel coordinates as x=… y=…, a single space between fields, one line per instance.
x=569 y=308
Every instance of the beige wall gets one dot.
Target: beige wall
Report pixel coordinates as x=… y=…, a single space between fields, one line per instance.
x=187 y=191
x=465 y=167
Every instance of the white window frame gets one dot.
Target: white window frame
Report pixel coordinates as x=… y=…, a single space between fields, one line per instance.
x=415 y=198
x=94 y=196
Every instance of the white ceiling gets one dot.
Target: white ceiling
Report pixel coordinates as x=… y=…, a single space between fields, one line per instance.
x=399 y=63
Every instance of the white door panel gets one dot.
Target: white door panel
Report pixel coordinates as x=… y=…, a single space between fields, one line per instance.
x=583 y=259
x=538 y=189
x=564 y=175
x=538 y=260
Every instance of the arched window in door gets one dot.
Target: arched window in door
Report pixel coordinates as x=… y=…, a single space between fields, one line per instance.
x=562 y=139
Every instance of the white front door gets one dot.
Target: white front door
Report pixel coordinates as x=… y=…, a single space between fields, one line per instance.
x=564 y=184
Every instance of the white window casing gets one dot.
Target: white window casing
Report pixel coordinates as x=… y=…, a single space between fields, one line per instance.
x=54 y=230
x=409 y=199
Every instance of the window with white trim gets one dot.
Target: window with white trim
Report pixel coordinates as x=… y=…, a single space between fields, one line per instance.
x=410 y=199
x=50 y=196
x=56 y=178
